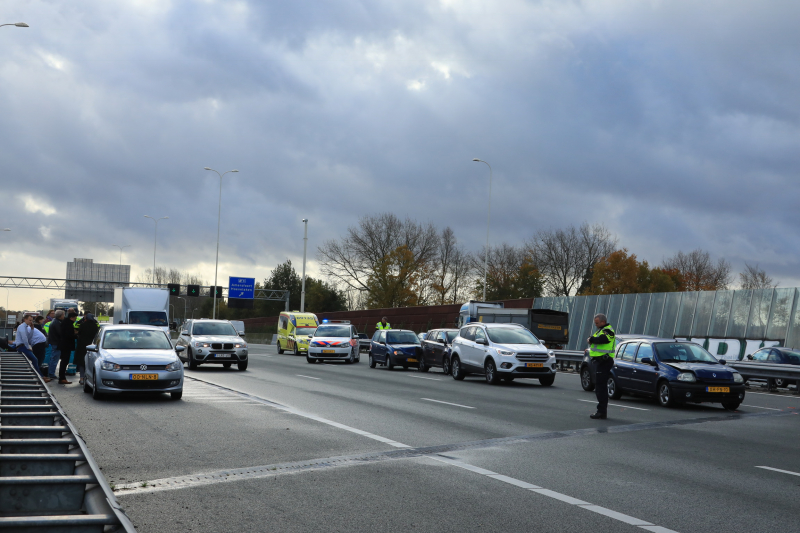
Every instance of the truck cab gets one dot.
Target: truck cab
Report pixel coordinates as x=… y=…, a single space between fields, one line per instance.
x=469 y=311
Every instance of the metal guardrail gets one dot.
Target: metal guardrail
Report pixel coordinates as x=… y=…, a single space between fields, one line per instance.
x=750 y=369
x=48 y=479
x=568 y=356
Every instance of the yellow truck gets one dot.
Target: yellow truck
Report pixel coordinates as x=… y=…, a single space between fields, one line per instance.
x=294 y=330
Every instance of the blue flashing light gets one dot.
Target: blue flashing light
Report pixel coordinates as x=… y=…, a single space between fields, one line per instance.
x=324 y=320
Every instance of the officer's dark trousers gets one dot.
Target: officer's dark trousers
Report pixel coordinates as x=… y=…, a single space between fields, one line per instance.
x=602 y=373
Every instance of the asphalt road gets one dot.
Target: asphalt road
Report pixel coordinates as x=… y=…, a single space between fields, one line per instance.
x=290 y=446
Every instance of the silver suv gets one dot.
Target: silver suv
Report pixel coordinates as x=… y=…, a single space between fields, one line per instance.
x=212 y=341
x=501 y=352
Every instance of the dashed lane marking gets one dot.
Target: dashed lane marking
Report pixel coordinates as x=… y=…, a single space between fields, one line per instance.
x=448 y=403
x=779 y=470
x=309 y=377
x=617 y=405
x=759 y=407
x=423 y=377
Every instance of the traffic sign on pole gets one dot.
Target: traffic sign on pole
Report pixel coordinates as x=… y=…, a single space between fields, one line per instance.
x=242 y=288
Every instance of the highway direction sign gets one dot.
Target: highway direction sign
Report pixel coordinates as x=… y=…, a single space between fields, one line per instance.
x=241 y=288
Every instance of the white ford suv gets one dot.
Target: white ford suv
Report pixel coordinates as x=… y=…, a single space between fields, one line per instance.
x=501 y=352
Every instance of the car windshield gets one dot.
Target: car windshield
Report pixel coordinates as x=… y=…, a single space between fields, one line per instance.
x=136 y=339
x=793 y=357
x=306 y=330
x=214 y=328
x=148 y=318
x=511 y=336
x=678 y=352
x=402 y=337
x=451 y=335
x=333 y=331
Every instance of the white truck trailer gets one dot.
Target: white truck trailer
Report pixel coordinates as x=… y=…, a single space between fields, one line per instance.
x=64 y=305
x=143 y=306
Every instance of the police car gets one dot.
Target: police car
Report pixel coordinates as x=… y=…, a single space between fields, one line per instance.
x=334 y=340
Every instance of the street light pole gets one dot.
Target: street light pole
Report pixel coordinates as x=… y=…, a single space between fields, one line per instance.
x=120 y=251
x=305 y=247
x=216 y=262
x=488 y=218
x=184 y=306
x=155 y=242
x=17 y=24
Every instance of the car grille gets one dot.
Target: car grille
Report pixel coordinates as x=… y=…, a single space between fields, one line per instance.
x=139 y=367
x=141 y=385
x=220 y=346
x=532 y=357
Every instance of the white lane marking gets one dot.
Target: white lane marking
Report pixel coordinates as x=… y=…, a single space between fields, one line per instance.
x=773 y=394
x=422 y=377
x=779 y=470
x=309 y=377
x=617 y=405
x=759 y=407
x=556 y=495
x=448 y=403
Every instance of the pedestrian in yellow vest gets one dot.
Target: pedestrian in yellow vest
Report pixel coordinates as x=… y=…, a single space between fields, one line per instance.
x=383 y=324
x=602 y=345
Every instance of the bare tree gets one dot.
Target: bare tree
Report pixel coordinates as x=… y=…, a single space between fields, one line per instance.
x=698 y=271
x=451 y=268
x=754 y=277
x=511 y=273
x=565 y=255
x=356 y=260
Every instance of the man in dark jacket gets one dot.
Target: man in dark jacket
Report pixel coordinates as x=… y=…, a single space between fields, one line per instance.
x=54 y=340
x=87 y=329
x=66 y=345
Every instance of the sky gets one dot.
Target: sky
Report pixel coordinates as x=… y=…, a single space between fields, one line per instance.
x=675 y=123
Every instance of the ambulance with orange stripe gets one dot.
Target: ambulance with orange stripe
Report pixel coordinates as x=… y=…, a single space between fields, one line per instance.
x=294 y=330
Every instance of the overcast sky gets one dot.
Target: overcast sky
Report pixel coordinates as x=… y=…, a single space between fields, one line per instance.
x=673 y=122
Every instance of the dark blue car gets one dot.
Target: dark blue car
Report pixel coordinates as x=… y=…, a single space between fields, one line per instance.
x=394 y=347
x=674 y=373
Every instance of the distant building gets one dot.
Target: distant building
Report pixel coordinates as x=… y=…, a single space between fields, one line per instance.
x=87 y=271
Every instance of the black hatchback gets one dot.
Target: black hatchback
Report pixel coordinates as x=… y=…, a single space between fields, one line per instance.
x=674 y=373
x=436 y=350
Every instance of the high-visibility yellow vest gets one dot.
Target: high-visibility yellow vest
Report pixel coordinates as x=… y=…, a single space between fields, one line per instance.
x=599 y=350
x=379 y=325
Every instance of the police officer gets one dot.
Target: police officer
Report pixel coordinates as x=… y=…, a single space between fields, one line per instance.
x=601 y=352
x=383 y=324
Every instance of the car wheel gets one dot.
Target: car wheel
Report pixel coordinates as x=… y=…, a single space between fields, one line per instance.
x=371 y=361
x=96 y=395
x=310 y=360
x=358 y=357
x=446 y=365
x=422 y=367
x=351 y=359
x=614 y=392
x=456 y=370
x=665 y=396
x=226 y=365
x=86 y=387
x=389 y=364
x=731 y=405
x=280 y=350
x=586 y=379
x=490 y=372
x=242 y=366
x=176 y=395
x=192 y=362
x=547 y=381
x=782 y=383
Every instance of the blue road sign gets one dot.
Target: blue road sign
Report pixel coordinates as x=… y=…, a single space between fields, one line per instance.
x=242 y=288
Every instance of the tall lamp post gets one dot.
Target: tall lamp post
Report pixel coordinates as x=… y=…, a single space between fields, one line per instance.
x=303 y=289
x=216 y=262
x=120 y=251
x=184 y=306
x=488 y=218
x=155 y=242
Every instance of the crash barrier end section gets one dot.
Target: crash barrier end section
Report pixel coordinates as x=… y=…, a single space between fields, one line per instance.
x=749 y=369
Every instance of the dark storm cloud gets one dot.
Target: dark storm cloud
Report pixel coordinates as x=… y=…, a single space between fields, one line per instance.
x=676 y=123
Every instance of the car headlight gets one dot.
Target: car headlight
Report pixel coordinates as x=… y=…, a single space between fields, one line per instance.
x=240 y=345
x=173 y=366
x=686 y=376
x=202 y=345
x=737 y=378
x=398 y=353
x=110 y=366
x=506 y=353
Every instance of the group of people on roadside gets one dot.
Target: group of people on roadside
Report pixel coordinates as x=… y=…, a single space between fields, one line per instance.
x=60 y=333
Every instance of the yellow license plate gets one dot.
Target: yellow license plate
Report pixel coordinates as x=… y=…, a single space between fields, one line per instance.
x=328 y=351
x=412 y=360
x=718 y=389
x=535 y=365
x=147 y=377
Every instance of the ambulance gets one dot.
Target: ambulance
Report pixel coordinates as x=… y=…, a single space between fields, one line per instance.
x=294 y=330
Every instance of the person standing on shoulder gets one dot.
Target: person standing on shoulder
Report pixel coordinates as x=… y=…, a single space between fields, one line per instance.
x=87 y=330
x=54 y=339
x=24 y=340
x=601 y=352
x=66 y=345
x=383 y=324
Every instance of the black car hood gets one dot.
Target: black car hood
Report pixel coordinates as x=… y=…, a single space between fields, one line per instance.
x=406 y=348
x=705 y=370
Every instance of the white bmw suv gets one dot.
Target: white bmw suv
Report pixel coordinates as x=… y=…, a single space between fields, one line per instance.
x=501 y=352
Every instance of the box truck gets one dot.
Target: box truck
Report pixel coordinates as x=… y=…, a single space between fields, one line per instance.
x=143 y=306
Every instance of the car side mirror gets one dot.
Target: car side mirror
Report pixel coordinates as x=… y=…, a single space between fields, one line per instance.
x=173 y=325
x=179 y=349
x=749 y=357
x=723 y=362
x=91 y=348
x=647 y=361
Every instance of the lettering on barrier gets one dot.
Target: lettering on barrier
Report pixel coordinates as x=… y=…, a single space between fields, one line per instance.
x=731 y=349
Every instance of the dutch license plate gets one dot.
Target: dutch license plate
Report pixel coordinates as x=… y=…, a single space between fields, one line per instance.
x=222 y=355
x=328 y=351
x=534 y=365
x=146 y=377
x=718 y=389
x=411 y=360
